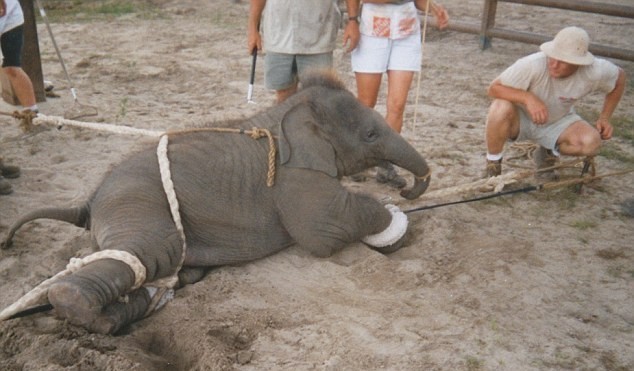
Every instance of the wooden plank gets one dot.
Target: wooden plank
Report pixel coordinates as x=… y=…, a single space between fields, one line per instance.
x=31 y=60
x=582 y=6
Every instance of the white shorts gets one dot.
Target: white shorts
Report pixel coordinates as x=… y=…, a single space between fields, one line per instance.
x=380 y=54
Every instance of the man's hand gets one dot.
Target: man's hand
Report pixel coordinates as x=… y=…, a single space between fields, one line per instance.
x=3 y=8
x=605 y=128
x=442 y=17
x=351 y=36
x=439 y=12
x=536 y=109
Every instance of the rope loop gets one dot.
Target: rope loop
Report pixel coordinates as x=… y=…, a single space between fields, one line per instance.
x=26 y=119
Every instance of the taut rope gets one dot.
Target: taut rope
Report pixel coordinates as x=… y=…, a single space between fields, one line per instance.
x=422 y=55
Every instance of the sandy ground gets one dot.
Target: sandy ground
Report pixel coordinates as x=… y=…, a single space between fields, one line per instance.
x=536 y=281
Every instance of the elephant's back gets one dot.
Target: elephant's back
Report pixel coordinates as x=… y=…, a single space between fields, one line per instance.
x=221 y=184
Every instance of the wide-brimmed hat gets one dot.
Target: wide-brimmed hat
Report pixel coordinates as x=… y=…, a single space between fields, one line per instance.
x=570 y=45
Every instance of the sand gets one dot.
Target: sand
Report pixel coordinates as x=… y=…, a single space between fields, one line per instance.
x=533 y=281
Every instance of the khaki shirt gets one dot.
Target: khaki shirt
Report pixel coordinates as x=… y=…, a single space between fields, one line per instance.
x=300 y=26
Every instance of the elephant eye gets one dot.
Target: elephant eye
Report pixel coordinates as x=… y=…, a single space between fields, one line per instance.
x=371 y=135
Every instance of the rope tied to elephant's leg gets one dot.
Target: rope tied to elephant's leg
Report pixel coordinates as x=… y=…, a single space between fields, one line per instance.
x=38 y=294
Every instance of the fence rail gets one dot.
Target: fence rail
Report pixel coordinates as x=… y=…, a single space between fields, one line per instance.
x=488 y=31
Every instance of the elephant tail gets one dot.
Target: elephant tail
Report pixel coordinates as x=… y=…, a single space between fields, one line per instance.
x=79 y=216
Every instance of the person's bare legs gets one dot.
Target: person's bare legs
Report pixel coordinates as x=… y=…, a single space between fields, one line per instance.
x=285 y=93
x=398 y=84
x=502 y=124
x=368 y=85
x=22 y=86
x=579 y=139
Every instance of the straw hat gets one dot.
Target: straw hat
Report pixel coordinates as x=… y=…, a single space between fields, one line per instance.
x=570 y=45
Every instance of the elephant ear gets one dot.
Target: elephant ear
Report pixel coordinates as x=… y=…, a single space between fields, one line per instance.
x=301 y=144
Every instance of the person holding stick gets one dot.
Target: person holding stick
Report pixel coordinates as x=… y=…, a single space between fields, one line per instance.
x=299 y=35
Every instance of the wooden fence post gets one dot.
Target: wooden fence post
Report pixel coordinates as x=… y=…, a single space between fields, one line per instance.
x=488 y=22
x=31 y=62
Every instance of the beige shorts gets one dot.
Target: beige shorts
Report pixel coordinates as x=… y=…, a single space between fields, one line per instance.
x=548 y=134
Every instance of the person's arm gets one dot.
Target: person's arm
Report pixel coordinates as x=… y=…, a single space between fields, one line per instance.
x=612 y=99
x=439 y=11
x=534 y=106
x=351 y=33
x=3 y=8
x=254 y=40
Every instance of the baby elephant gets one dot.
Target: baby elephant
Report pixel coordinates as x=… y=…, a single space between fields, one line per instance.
x=207 y=198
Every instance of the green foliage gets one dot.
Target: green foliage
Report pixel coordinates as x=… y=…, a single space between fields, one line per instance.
x=583 y=224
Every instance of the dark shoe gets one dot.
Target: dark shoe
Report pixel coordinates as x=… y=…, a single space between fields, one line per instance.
x=544 y=160
x=388 y=175
x=5 y=187
x=494 y=168
x=9 y=171
x=359 y=177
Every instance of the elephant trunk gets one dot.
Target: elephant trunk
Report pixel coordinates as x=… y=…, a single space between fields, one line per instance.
x=408 y=158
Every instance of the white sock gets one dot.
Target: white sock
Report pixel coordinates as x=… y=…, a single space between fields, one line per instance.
x=33 y=108
x=494 y=157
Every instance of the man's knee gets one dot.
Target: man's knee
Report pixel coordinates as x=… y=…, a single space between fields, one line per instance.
x=580 y=139
x=502 y=111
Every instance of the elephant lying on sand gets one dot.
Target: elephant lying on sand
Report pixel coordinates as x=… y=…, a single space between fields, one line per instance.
x=228 y=213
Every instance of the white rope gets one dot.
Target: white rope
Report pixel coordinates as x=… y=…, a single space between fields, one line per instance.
x=496 y=184
x=168 y=186
x=117 y=129
x=39 y=293
x=422 y=55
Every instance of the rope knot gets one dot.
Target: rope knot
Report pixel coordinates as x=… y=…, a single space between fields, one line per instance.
x=26 y=119
x=257 y=133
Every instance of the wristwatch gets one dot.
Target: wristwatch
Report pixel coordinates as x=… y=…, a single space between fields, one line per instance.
x=355 y=18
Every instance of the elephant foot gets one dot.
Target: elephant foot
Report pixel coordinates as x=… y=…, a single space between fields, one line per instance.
x=71 y=301
x=76 y=304
x=390 y=248
x=189 y=275
x=82 y=296
x=117 y=315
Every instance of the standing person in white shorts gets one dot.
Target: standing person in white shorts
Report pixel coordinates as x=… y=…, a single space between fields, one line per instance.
x=390 y=42
x=297 y=36
x=534 y=100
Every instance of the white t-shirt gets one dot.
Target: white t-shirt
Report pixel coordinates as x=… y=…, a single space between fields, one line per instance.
x=559 y=94
x=13 y=17
x=300 y=26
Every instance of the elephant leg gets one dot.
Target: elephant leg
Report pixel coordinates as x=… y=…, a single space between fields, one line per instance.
x=116 y=315
x=189 y=275
x=81 y=296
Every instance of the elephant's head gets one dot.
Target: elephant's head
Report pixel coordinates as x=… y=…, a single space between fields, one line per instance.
x=327 y=129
